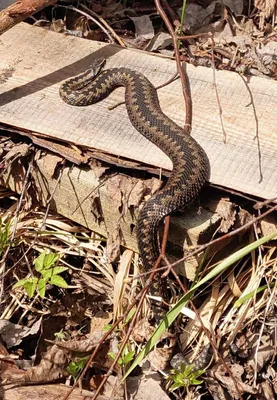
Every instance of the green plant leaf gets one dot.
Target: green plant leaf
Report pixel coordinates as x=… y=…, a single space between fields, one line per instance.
x=5 y=232
x=250 y=295
x=196 y=381
x=185 y=376
x=182 y=17
x=42 y=287
x=128 y=358
x=175 y=386
x=47 y=273
x=130 y=315
x=112 y=355
x=175 y=311
x=61 y=335
x=50 y=260
x=59 y=270
x=75 y=367
x=22 y=282
x=57 y=280
x=30 y=286
x=39 y=261
x=107 y=327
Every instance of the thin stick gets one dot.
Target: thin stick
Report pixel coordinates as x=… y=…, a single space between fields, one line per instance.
x=113 y=33
x=183 y=76
x=264 y=203
x=257 y=136
x=92 y=19
x=217 y=94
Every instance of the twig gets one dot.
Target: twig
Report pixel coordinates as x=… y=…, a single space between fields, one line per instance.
x=92 y=19
x=183 y=76
x=217 y=94
x=261 y=204
x=49 y=200
x=120 y=41
x=173 y=15
x=257 y=137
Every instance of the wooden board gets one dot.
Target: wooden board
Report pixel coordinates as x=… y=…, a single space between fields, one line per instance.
x=34 y=61
x=107 y=206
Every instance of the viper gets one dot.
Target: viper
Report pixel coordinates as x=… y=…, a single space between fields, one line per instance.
x=190 y=163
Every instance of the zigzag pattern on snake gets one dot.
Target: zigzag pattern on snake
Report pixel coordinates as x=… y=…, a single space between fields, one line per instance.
x=190 y=163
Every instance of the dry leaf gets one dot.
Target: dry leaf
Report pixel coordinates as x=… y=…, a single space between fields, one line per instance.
x=113 y=243
x=13 y=334
x=17 y=151
x=52 y=367
x=231 y=383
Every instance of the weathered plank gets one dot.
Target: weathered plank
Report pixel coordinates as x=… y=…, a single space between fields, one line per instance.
x=35 y=61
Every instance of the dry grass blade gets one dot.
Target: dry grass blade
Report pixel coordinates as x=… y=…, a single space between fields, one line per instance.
x=120 y=287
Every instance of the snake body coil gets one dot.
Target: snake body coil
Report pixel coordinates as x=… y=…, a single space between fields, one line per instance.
x=190 y=164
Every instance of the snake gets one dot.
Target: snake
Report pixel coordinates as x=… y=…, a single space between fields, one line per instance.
x=190 y=162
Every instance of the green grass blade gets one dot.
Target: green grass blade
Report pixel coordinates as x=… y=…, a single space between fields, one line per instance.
x=182 y=17
x=250 y=295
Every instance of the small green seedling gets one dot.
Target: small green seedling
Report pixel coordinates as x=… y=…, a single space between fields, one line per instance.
x=46 y=266
x=61 y=335
x=75 y=367
x=125 y=359
x=184 y=377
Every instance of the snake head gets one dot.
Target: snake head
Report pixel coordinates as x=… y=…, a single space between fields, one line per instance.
x=97 y=65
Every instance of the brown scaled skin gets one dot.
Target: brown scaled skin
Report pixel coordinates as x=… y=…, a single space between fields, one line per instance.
x=190 y=163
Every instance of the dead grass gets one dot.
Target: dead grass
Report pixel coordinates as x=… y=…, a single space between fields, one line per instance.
x=239 y=302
